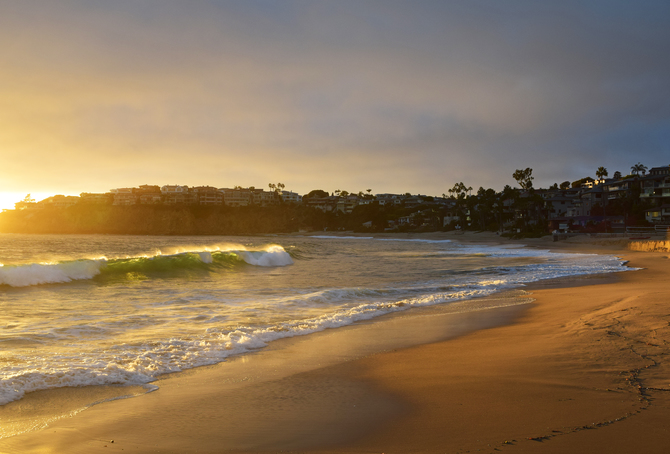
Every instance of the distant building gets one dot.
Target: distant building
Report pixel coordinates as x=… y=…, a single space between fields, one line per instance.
x=590 y=198
x=414 y=201
x=561 y=203
x=264 y=198
x=124 y=196
x=207 y=195
x=291 y=197
x=658 y=215
x=174 y=189
x=655 y=188
x=96 y=198
x=347 y=204
x=237 y=197
x=389 y=199
x=149 y=194
x=177 y=194
x=60 y=201
x=151 y=198
x=325 y=204
x=657 y=171
x=26 y=205
x=148 y=189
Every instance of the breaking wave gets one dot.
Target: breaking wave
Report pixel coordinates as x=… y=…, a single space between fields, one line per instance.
x=209 y=259
x=143 y=363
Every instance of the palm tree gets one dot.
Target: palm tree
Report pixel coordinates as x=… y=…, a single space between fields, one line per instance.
x=637 y=168
x=459 y=190
x=643 y=169
x=600 y=173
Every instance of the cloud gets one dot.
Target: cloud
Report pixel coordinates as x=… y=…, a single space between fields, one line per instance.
x=390 y=95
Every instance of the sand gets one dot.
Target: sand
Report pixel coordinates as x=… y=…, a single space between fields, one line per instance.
x=585 y=367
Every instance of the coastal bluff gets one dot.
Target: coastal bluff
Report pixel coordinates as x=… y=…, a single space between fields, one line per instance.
x=162 y=220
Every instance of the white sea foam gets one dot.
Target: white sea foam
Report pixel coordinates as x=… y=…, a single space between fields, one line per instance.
x=120 y=335
x=271 y=256
x=53 y=273
x=137 y=365
x=415 y=240
x=206 y=257
x=37 y=273
x=334 y=237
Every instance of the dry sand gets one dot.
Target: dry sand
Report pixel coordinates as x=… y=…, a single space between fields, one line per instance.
x=583 y=368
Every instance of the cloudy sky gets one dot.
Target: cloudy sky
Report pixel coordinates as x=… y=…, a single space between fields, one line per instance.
x=395 y=96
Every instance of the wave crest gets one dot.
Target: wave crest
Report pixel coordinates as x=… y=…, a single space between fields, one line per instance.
x=209 y=258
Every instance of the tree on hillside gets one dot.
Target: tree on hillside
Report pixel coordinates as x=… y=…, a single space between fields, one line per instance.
x=458 y=193
x=483 y=209
x=316 y=193
x=617 y=175
x=580 y=182
x=637 y=168
x=565 y=185
x=601 y=172
x=524 y=178
x=459 y=190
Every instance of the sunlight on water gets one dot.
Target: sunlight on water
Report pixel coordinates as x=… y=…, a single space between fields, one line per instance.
x=122 y=310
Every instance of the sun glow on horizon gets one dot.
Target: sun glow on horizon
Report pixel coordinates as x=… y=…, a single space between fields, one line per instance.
x=8 y=199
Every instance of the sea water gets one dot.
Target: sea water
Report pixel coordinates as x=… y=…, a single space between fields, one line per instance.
x=80 y=310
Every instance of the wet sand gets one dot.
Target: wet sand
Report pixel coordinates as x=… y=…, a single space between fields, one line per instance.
x=583 y=368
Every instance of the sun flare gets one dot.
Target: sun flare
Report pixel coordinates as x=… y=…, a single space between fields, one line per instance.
x=8 y=199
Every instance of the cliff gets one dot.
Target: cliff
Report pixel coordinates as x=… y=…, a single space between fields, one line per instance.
x=163 y=220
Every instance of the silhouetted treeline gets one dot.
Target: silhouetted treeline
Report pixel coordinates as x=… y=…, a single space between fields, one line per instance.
x=167 y=220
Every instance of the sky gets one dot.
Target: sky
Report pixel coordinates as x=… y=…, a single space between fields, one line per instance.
x=393 y=96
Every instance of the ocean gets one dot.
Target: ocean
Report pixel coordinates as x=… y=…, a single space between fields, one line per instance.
x=120 y=311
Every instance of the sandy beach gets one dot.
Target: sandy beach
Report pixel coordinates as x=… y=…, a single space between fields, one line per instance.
x=582 y=366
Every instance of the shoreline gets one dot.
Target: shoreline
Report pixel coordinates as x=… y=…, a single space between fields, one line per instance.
x=386 y=407
x=586 y=374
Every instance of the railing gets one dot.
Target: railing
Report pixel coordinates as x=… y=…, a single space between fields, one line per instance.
x=608 y=235
x=657 y=230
